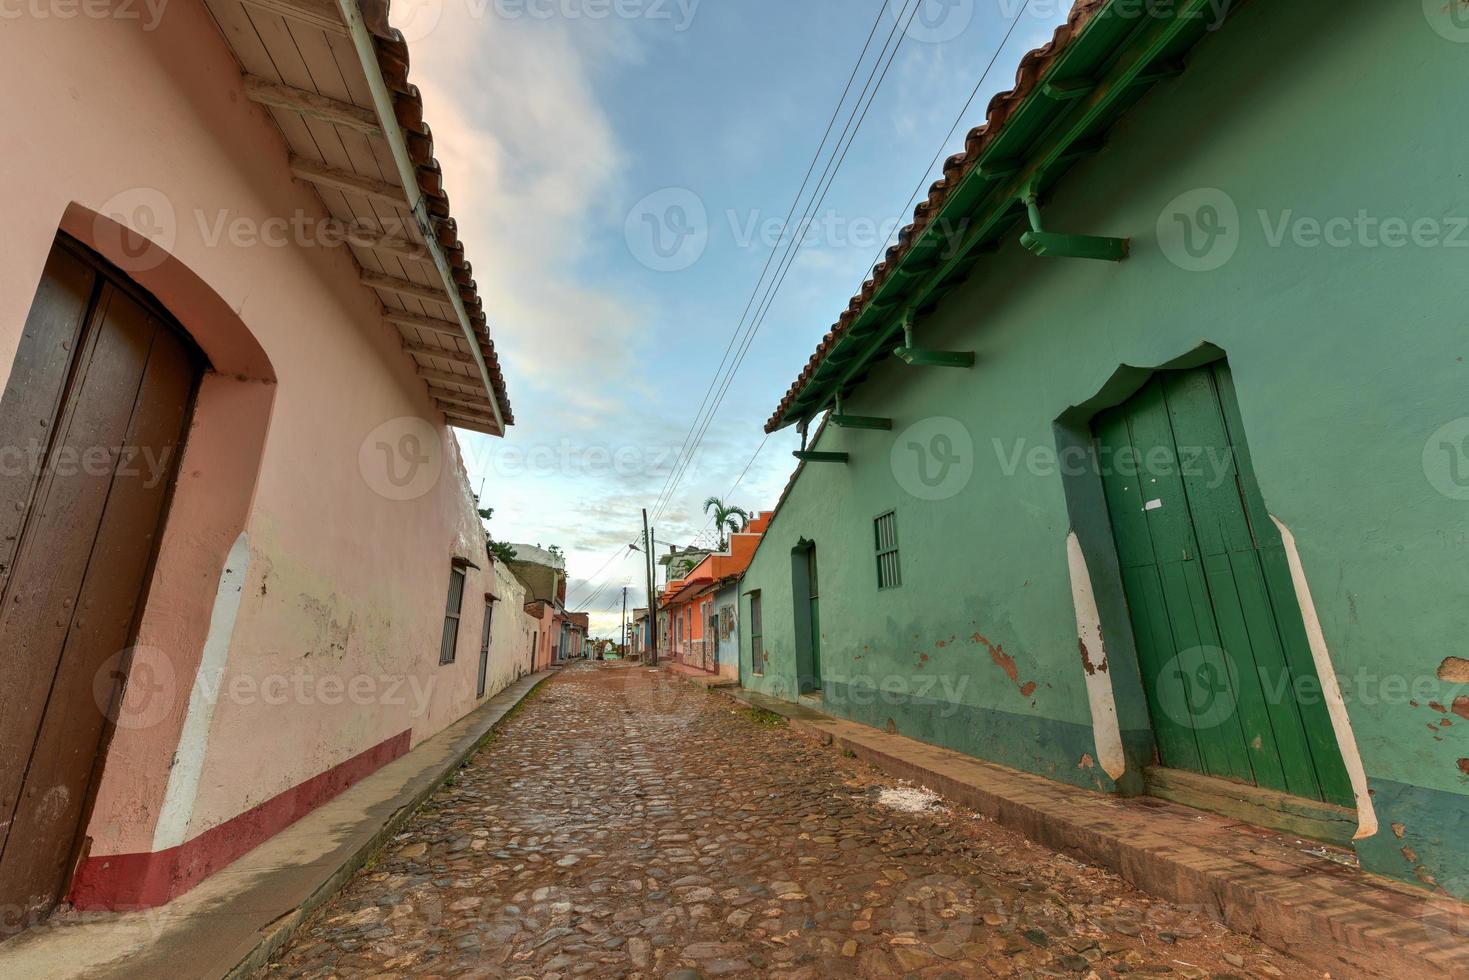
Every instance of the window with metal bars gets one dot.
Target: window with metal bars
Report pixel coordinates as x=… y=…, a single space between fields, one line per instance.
x=757 y=644
x=885 y=531
x=450 y=640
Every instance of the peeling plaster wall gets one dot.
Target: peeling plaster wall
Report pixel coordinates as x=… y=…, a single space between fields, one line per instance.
x=1347 y=362
x=334 y=647
x=729 y=647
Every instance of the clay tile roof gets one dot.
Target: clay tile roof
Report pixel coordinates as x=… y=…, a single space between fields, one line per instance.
x=1032 y=67
x=392 y=59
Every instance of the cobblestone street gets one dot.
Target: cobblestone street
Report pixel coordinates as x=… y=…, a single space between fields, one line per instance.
x=626 y=823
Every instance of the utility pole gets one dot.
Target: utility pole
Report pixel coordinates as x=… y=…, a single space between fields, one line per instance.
x=652 y=594
x=625 y=644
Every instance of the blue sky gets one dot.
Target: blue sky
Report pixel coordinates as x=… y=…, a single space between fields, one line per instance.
x=573 y=131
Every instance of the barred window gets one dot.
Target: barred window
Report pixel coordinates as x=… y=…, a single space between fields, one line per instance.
x=885 y=530
x=450 y=639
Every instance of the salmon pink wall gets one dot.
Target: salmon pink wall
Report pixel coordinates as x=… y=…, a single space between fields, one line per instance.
x=324 y=620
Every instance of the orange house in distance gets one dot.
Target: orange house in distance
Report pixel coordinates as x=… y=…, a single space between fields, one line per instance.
x=703 y=605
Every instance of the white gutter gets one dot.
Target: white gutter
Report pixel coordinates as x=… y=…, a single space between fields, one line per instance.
x=382 y=101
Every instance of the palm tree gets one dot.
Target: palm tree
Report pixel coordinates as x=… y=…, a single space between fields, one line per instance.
x=726 y=519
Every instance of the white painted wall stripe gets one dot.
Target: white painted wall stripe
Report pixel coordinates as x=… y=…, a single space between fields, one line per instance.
x=183 y=780
x=1336 y=706
x=1105 y=730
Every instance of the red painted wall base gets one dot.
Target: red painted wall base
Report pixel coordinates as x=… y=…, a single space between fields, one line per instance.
x=119 y=882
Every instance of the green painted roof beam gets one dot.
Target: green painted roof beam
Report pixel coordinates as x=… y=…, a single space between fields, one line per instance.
x=920 y=357
x=923 y=357
x=860 y=422
x=1066 y=91
x=806 y=456
x=1135 y=65
x=1051 y=245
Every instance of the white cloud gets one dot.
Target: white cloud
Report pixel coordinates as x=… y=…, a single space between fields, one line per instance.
x=530 y=159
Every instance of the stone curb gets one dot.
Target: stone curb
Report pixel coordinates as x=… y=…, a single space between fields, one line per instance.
x=1339 y=920
x=284 y=928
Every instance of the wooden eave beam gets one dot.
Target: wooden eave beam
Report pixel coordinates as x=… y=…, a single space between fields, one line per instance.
x=458 y=398
x=443 y=328
x=459 y=411
x=388 y=243
x=1134 y=66
x=405 y=287
x=487 y=426
x=312 y=105
x=323 y=176
x=428 y=350
x=450 y=378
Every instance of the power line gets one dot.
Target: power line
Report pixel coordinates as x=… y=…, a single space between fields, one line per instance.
x=600 y=589
x=958 y=120
x=660 y=503
x=671 y=483
x=622 y=551
x=833 y=166
x=791 y=255
x=738 y=480
x=829 y=176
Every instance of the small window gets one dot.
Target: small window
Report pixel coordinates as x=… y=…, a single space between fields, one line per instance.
x=451 y=615
x=886 y=532
x=757 y=644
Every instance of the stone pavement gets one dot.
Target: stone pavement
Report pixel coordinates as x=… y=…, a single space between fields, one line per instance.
x=626 y=823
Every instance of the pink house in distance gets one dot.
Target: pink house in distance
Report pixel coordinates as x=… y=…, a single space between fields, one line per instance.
x=700 y=625
x=241 y=564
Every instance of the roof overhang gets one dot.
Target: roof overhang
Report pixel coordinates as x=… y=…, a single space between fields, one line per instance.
x=1067 y=96
x=333 y=76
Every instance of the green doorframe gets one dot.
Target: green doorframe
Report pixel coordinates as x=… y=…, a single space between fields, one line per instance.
x=805 y=576
x=1092 y=522
x=1086 y=506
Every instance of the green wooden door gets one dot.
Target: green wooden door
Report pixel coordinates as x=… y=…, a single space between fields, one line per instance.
x=806 y=604
x=1231 y=683
x=815 y=620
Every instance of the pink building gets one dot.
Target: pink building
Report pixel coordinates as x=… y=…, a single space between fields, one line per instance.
x=699 y=626
x=242 y=566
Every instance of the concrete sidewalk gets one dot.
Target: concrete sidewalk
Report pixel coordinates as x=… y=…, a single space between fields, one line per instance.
x=700 y=677
x=1287 y=893
x=232 y=922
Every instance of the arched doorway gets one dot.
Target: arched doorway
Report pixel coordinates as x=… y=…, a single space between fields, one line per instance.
x=1226 y=665
x=94 y=416
x=805 y=599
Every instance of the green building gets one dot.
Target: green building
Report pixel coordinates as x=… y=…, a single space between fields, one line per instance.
x=1143 y=461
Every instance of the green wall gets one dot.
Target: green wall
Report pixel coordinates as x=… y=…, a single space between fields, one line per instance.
x=1346 y=361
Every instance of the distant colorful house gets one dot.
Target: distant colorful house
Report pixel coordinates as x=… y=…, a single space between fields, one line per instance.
x=702 y=609
x=544 y=575
x=641 y=633
x=574 y=635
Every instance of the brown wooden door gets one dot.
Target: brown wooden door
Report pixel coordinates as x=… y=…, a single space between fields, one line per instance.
x=484 y=649
x=94 y=416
